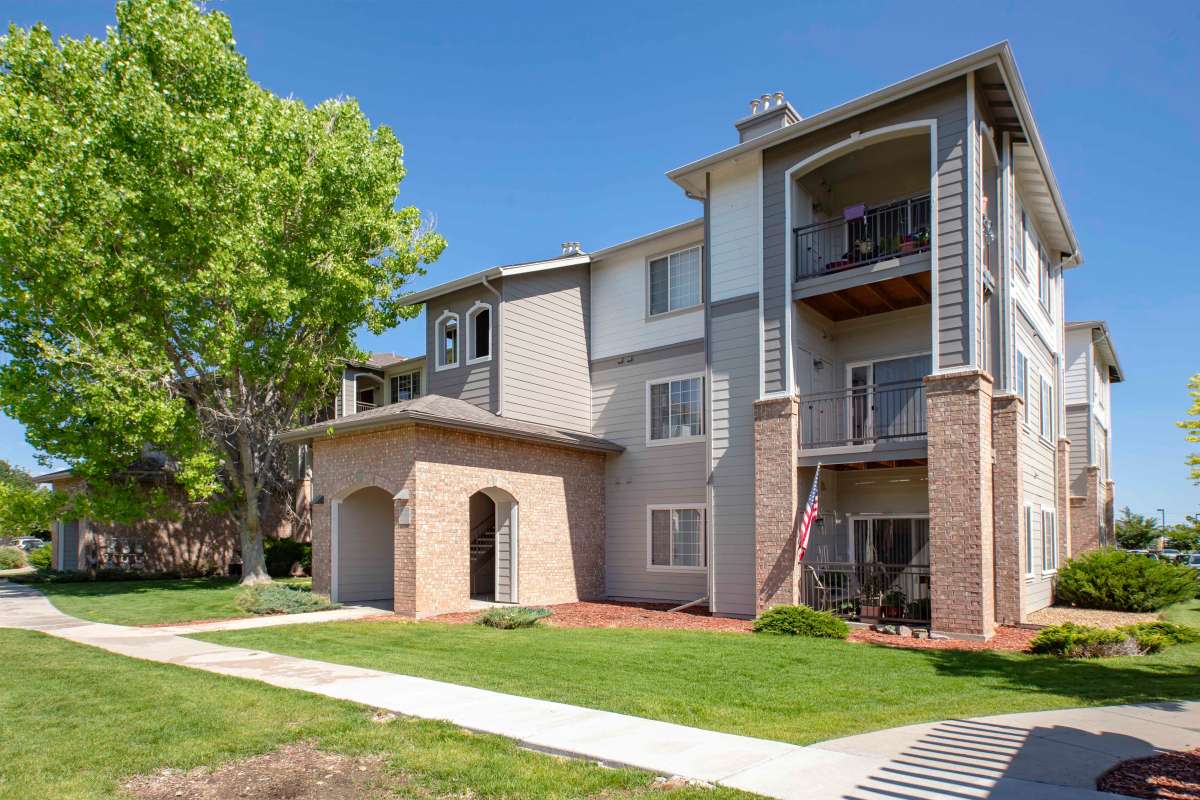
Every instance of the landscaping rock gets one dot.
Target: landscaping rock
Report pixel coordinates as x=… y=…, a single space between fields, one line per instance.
x=904 y=630
x=920 y=633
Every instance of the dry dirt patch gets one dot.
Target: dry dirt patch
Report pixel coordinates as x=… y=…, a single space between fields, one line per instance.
x=1056 y=615
x=292 y=772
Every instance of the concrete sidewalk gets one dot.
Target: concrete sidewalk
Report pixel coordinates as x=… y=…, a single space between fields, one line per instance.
x=343 y=614
x=1052 y=755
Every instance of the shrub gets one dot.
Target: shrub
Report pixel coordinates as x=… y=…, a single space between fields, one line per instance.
x=40 y=558
x=1082 y=641
x=509 y=618
x=281 y=554
x=12 y=558
x=1122 y=581
x=280 y=598
x=801 y=621
x=1154 y=636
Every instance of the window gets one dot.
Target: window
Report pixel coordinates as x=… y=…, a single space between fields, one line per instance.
x=1049 y=542
x=1030 y=543
x=406 y=387
x=1023 y=383
x=1047 y=411
x=479 y=328
x=1043 y=278
x=676 y=538
x=675 y=409
x=675 y=281
x=447 y=341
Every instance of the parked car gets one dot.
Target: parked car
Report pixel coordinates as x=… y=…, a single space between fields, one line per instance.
x=1168 y=554
x=30 y=543
x=1193 y=561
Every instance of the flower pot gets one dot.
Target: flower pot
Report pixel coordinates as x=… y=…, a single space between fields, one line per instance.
x=870 y=612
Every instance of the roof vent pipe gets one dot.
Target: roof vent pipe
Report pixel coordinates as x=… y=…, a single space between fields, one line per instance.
x=571 y=248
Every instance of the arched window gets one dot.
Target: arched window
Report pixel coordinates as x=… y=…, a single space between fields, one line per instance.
x=447 y=340
x=479 y=331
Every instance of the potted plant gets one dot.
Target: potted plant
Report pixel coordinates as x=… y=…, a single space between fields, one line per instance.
x=893 y=604
x=907 y=244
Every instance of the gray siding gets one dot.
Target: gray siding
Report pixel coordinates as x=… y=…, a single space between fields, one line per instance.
x=643 y=476
x=69 y=546
x=545 y=348
x=733 y=348
x=1038 y=459
x=475 y=383
x=1078 y=418
x=947 y=104
x=504 y=553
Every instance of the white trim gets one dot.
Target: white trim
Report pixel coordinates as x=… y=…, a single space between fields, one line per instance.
x=1027 y=532
x=664 y=232
x=514 y=511
x=676 y=439
x=439 y=340
x=391 y=393
x=650 y=509
x=334 y=536
x=1053 y=514
x=856 y=141
x=758 y=239
x=670 y=312
x=473 y=312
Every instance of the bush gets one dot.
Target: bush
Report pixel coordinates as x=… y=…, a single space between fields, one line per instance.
x=281 y=554
x=1154 y=636
x=40 y=558
x=509 y=618
x=801 y=621
x=1082 y=641
x=12 y=558
x=280 y=598
x=1122 y=581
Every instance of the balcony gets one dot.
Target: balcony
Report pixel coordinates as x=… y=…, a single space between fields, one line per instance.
x=863 y=236
x=876 y=422
x=361 y=406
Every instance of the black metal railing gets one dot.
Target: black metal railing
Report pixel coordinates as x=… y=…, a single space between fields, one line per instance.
x=868 y=591
x=886 y=231
x=863 y=415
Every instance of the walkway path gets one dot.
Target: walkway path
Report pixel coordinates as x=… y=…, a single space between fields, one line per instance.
x=1052 y=755
x=343 y=614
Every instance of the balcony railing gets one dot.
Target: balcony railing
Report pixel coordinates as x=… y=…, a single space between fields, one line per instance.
x=863 y=415
x=360 y=406
x=867 y=591
x=863 y=236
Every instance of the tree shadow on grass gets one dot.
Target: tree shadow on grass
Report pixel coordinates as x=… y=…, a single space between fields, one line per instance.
x=1103 y=681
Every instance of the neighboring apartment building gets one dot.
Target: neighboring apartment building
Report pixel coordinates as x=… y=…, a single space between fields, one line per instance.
x=1092 y=369
x=877 y=289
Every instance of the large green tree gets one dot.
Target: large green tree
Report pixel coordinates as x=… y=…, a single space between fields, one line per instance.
x=185 y=256
x=1192 y=426
x=1135 y=531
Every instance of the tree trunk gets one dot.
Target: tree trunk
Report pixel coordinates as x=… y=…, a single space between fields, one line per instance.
x=254 y=563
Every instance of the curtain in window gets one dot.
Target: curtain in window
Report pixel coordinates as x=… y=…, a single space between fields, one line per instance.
x=660 y=410
x=660 y=538
x=659 y=286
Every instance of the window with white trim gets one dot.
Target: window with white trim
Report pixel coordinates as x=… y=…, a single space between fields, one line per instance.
x=447 y=341
x=406 y=386
x=675 y=281
x=1047 y=410
x=1030 y=542
x=1023 y=383
x=675 y=409
x=479 y=333
x=1019 y=252
x=1043 y=278
x=676 y=537
x=1049 y=541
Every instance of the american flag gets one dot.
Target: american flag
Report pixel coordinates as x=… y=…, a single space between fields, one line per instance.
x=811 y=510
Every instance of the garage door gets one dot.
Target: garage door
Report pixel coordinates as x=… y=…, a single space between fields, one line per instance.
x=365 y=547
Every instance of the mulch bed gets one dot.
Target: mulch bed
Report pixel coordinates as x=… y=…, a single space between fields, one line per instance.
x=658 y=616
x=1056 y=615
x=1173 y=776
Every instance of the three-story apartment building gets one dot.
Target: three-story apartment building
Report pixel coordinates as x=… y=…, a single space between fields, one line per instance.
x=876 y=289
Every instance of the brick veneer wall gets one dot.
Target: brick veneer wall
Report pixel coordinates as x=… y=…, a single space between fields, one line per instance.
x=1062 y=468
x=960 y=503
x=1087 y=513
x=1007 y=509
x=1109 y=521
x=775 y=501
x=560 y=501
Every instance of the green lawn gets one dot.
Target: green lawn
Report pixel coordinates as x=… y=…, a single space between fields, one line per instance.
x=795 y=689
x=149 y=602
x=79 y=721
x=1187 y=613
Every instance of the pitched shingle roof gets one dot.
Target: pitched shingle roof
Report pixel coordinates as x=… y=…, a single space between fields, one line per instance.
x=446 y=412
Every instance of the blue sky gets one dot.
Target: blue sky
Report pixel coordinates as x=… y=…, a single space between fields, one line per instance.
x=533 y=123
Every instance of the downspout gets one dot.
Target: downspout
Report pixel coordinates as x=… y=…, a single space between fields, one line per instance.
x=708 y=481
x=498 y=346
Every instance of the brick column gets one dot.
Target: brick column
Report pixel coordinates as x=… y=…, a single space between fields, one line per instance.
x=1006 y=503
x=1087 y=513
x=775 y=476
x=1063 y=483
x=1109 y=520
x=960 y=503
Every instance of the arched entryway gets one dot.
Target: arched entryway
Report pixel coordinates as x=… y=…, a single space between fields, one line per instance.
x=493 y=546
x=364 y=546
